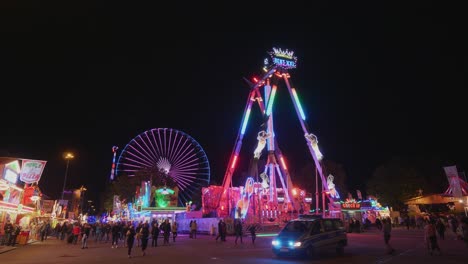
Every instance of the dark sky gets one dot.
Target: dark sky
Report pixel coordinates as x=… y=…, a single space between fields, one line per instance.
x=375 y=82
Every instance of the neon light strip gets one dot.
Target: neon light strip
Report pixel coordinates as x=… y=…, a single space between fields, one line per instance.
x=283 y=163
x=234 y=162
x=15 y=187
x=14 y=207
x=270 y=101
x=246 y=120
x=296 y=98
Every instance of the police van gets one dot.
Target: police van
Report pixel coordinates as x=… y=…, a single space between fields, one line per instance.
x=308 y=235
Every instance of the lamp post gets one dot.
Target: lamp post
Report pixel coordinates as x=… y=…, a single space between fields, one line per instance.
x=68 y=156
x=82 y=190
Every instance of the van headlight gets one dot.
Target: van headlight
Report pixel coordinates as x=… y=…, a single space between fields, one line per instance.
x=297 y=244
x=275 y=243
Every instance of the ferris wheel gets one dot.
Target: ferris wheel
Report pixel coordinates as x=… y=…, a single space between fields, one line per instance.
x=172 y=152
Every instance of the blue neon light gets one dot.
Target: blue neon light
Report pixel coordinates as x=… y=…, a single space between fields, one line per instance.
x=270 y=102
x=246 y=120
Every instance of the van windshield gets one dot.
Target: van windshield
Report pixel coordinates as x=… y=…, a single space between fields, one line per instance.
x=297 y=226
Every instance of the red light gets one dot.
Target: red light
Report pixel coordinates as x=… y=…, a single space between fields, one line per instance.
x=234 y=162
x=255 y=79
x=283 y=163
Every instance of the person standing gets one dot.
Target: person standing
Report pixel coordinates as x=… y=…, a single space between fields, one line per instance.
x=193 y=228
x=223 y=231
x=174 y=230
x=190 y=228
x=76 y=232
x=220 y=230
x=440 y=226
x=387 y=229
x=130 y=239
x=8 y=229
x=167 y=231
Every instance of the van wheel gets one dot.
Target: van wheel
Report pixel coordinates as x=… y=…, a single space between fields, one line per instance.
x=340 y=248
x=310 y=252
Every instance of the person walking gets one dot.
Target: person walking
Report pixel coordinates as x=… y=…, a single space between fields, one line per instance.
x=253 y=234
x=387 y=229
x=85 y=235
x=130 y=239
x=220 y=230
x=115 y=235
x=155 y=234
x=430 y=237
x=238 y=231
x=144 y=237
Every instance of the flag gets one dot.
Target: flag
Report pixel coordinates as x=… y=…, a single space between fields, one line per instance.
x=359 y=195
x=454 y=180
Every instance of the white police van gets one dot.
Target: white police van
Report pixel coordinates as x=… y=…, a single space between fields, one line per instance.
x=309 y=234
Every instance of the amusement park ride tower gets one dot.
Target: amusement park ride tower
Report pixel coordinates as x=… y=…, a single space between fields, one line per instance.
x=276 y=68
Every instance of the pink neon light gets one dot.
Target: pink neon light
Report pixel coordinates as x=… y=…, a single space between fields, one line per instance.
x=234 y=162
x=284 y=164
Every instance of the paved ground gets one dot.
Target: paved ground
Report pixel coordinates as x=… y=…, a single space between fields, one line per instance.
x=363 y=248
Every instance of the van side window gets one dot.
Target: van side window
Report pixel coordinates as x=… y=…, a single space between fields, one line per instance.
x=315 y=229
x=338 y=224
x=328 y=225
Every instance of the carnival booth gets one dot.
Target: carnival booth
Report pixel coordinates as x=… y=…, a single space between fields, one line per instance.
x=19 y=192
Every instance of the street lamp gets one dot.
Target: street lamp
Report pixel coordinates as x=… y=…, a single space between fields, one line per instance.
x=82 y=190
x=68 y=156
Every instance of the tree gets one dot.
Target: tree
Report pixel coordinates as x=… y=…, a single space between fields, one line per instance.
x=396 y=181
x=124 y=187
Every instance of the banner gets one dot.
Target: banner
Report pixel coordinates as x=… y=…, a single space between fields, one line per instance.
x=454 y=180
x=31 y=170
x=47 y=206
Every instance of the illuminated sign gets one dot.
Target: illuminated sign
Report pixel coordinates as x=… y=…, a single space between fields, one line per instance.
x=351 y=204
x=32 y=170
x=11 y=171
x=10 y=176
x=163 y=196
x=283 y=58
x=14 y=166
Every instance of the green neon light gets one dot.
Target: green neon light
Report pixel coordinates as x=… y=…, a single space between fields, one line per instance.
x=298 y=103
x=162 y=196
x=267 y=235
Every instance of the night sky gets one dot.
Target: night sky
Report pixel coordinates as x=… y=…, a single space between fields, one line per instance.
x=374 y=82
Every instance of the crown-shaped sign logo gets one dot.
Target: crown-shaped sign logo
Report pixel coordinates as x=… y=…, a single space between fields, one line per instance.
x=278 y=52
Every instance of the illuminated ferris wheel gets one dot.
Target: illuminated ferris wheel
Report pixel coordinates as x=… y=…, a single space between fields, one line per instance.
x=173 y=153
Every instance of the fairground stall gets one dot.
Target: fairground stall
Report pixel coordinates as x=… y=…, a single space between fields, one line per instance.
x=360 y=210
x=19 y=192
